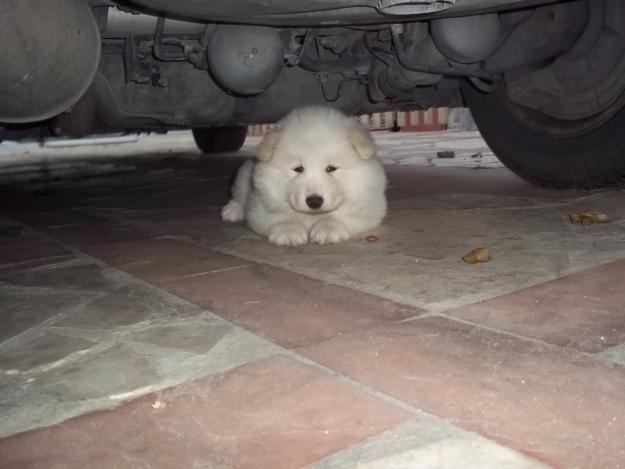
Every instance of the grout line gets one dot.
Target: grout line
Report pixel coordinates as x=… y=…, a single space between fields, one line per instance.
x=216 y=271
x=359 y=385
x=38 y=259
x=41 y=326
x=513 y=335
x=395 y=298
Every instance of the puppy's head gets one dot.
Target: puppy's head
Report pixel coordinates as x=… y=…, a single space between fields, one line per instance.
x=314 y=158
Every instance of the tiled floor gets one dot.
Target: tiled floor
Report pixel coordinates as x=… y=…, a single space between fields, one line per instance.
x=141 y=331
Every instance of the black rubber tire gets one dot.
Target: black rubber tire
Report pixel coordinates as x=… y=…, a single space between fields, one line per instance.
x=219 y=139
x=545 y=151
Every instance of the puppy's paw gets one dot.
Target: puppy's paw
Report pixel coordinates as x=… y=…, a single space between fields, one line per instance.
x=288 y=234
x=232 y=211
x=328 y=232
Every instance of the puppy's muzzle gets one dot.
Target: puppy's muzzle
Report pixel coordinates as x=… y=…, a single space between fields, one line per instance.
x=314 y=201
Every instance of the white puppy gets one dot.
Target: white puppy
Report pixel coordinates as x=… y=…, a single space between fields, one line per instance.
x=317 y=179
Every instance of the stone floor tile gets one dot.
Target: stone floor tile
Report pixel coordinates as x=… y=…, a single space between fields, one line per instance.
x=582 y=311
x=11 y=231
x=156 y=260
x=287 y=308
x=117 y=370
x=614 y=355
x=45 y=349
x=28 y=248
x=6 y=222
x=272 y=414
x=119 y=365
x=198 y=337
x=24 y=308
x=428 y=443
x=418 y=256
x=58 y=218
x=185 y=349
x=208 y=230
x=80 y=236
x=167 y=215
x=7 y=270
x=78 y=383
x=555 y=405
x=29 y=201
x=117 y=338
x=125 y=306
x=411 y=183
x=83 y=275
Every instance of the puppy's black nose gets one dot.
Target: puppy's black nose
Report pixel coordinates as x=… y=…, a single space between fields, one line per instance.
x=314 y=201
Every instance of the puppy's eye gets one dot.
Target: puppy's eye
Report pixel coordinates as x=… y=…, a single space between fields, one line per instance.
x=331 y=169
x=299 y=169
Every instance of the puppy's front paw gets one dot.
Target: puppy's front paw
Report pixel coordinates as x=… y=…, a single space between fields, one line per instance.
x=328 y=232
x=232 y=211
x=288 y=234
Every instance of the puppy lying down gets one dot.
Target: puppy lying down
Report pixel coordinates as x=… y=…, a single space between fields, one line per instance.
x=316 y=179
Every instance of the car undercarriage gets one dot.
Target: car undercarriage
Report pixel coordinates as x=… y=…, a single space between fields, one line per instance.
x=556 y=68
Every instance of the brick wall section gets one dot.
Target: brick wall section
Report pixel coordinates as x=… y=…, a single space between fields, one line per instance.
x=409 y=121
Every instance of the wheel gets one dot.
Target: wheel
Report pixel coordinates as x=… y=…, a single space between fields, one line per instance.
x=551 y=152
x=562 y=123
x=220 y=139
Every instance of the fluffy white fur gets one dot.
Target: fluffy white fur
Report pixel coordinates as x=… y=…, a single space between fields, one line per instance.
x=294 y=167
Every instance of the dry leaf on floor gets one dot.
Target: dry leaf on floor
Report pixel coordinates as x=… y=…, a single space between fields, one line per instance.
x=588 y=218
x=477 y=255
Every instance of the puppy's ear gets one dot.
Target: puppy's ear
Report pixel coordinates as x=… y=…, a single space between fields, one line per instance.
x=362 y=141
x=268 y=144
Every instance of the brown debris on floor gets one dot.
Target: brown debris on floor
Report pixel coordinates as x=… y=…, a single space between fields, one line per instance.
x=477 y=255
x=589 y=218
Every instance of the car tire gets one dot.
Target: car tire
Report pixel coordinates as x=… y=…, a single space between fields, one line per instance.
x=548 y=152
x=219 y=139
